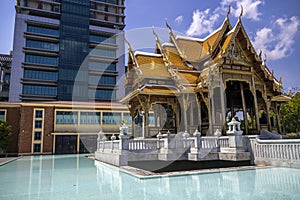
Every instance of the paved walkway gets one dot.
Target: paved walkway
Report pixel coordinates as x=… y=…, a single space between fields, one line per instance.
x=3 y=161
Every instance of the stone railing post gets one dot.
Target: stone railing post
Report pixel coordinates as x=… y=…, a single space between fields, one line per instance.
x=124 y=137
x=185 y=137
x=113 y=138
x=197 y=134
x=159 y=137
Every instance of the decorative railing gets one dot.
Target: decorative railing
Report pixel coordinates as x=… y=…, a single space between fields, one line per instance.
x=209 y=142
x=145 y=145
x=286 y=150
x=224 y=142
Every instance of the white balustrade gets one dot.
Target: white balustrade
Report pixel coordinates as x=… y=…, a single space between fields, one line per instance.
x=287 y=150
x=209 y=142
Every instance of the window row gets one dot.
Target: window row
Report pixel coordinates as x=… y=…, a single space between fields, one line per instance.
x=68 y=117
x=102 y=66
x=41 y=59
x=102 y=94
x=39 y=90
x=42 y=45
x=43 y=75
x=65 y=117
x=103 y=52
x=42 y=30
x=104 y=39
x=105 y=80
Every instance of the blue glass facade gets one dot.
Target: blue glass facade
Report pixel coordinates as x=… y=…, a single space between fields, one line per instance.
x=74 y=41
x=43 y=75
x=103 y=52
x=102 y=66
x=40 y=90
x=42 y=30
x=104 y=39
x=106 y=80
x=42 y=45
x=103 y=94
x=45 y=60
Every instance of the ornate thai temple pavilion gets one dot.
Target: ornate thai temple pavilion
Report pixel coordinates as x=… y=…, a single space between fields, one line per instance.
x=191 y=83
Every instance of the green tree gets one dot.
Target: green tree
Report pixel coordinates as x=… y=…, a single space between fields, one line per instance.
x=290 y=114
x=5 y=135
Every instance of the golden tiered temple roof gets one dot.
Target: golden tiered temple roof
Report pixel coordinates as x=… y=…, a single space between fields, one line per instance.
x=185 y=62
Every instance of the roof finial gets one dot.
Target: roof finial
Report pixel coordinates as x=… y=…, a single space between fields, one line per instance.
x=260 y=52
x=129 y=46
x=242 y=11
x=229 y=10
x=265 y=59
x=280 y=80
x=154 y=32
x=167 y=24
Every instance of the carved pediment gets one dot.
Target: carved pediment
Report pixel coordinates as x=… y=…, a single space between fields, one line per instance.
x=235 y=54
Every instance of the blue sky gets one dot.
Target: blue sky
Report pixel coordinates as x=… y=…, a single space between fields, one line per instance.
x=272 y=25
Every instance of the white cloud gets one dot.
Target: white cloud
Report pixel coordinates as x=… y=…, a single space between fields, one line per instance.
x=179 y=19
x=277 y=43
x=250 y=8
x=203 y=22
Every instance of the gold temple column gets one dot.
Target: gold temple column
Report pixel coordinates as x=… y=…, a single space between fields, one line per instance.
x=199 y=113
x=185 y=104
x=277 y=108
x=268 y=112
x=244 y=107
x=146 y=123
x=192 y=114
x=255 y=105
x=222 y=93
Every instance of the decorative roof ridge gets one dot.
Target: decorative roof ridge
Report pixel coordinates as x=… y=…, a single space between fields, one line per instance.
x=188 y=38
x=136 y=53
x=167 y=44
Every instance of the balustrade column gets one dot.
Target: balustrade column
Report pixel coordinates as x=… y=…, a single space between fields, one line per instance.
x=244 y=107
x=255 y=105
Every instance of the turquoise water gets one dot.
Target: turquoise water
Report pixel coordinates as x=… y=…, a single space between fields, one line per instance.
x=76 y=177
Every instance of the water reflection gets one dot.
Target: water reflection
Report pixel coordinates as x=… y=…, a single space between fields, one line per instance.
x=76 y=177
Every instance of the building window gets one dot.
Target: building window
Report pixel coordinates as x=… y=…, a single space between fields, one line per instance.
x=37 y=148
x=42 y=45
x=89 y=118
x=112 y=1
x=66 y=117
x=43 y=75
x=42 y=30
x=127 y=118
x=102 y=66
x=39 y=114
x=104 y=80
x=2 y=115
x=37 y=135
x=102 y=94
x=41 y=59
x=40 y=90
x=103 y=53
x=38 y=124
x=102 y=38
x=111 y=118
x=151 y=118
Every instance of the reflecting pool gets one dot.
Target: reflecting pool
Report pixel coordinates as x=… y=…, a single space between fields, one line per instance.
x=76 y=177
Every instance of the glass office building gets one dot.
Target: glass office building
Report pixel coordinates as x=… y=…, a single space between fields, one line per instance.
x=67 y=50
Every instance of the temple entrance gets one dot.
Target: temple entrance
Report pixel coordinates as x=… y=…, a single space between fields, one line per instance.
x=240 y=105
x=161 y=117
